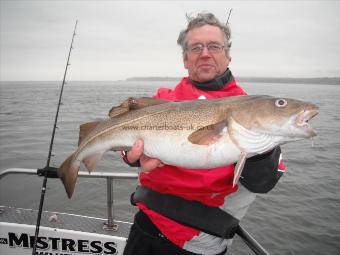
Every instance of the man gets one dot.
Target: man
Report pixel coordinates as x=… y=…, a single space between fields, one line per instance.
x=205 y=44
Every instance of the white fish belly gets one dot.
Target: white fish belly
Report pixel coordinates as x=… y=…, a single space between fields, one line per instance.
x=181 y=152
x=171 y=149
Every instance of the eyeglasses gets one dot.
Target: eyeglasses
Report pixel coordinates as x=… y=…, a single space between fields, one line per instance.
x=212 y=48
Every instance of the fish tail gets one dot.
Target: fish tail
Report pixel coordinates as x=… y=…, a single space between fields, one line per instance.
x=68 y=173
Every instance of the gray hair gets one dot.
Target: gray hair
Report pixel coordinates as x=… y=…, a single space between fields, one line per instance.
x=204 y=18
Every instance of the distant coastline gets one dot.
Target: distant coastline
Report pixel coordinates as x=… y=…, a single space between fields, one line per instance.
x=275 y=80
x=316 y=80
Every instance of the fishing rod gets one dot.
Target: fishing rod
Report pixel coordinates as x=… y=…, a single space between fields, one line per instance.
x=229 y=16
x=47 y=169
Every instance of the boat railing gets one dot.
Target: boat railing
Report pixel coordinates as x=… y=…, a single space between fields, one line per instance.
x=110 y=176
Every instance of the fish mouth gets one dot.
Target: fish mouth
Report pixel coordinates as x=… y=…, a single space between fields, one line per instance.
x=302 y=121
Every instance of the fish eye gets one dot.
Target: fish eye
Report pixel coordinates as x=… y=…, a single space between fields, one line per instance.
x=281 y=102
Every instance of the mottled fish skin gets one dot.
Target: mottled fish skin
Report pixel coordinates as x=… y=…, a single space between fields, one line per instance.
x=198 y=134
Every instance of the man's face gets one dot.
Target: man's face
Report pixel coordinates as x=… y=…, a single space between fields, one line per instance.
x=205 y=66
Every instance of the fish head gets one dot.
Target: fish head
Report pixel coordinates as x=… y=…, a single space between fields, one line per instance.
x=283 y=117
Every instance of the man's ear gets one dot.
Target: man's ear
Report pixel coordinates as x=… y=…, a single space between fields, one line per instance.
x=185 y=62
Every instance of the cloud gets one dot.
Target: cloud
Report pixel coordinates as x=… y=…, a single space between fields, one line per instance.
x=119 y=39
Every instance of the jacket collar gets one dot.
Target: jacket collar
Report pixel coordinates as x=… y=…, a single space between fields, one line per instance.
x=216 y=84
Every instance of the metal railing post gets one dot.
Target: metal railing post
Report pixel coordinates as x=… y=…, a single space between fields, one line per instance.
x=110 y=225
x=251 y=242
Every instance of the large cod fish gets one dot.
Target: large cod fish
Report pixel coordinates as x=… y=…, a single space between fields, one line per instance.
x=199 y=134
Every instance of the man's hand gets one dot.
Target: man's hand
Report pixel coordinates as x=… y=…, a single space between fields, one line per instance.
x=137 y=153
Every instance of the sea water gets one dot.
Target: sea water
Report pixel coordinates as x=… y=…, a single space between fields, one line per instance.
x=301 y=215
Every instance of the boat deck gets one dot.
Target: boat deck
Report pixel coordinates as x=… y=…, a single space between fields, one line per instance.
x=62 y=221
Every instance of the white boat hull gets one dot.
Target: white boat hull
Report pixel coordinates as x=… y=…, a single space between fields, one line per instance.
x=18 y=239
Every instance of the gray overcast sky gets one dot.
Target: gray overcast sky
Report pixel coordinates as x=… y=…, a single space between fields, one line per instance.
x=121 y=39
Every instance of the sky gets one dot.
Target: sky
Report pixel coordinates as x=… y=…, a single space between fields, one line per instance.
x=121 y=39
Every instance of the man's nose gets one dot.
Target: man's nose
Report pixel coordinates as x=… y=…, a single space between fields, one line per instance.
x=205 y=52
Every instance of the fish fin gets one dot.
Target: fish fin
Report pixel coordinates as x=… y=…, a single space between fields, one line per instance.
x=68 y=173
x=85 y=129
x=239 y=168
x=134 y=103
x=118 y=110
x=207 y=135
x=91 y=161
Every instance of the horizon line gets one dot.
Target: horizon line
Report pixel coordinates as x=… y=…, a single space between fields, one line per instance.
x=177 y=77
